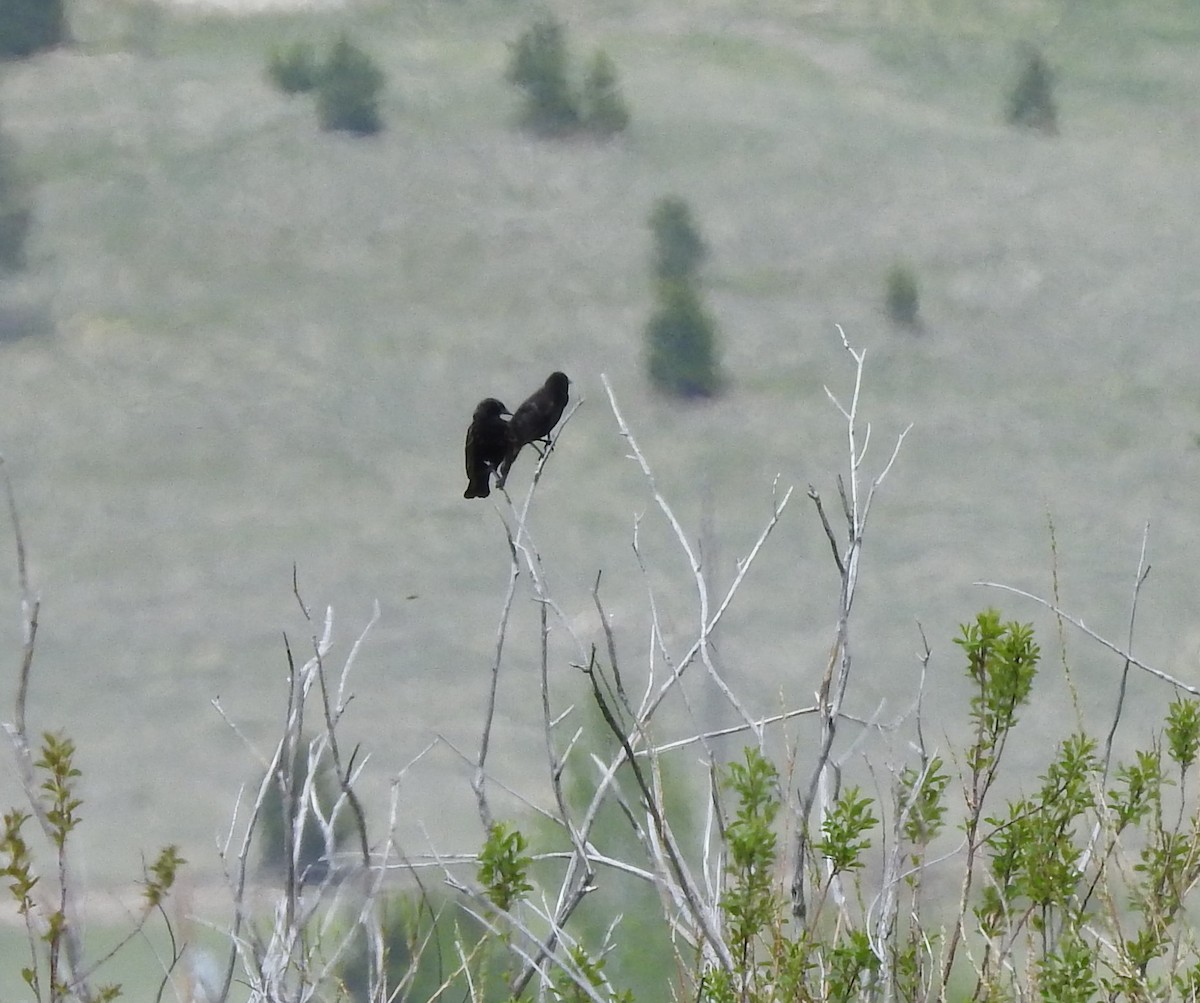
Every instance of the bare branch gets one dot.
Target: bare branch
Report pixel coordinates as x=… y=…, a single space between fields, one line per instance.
x=69 y=936
x=833 y=544
x=706 y=623
x=332 y=716
x=822 y=786
x=653 y=805
x=1166 y=677
x=736 y=729
x=1143 y=571
x=611 y=643
x=30 y=606
x=478 y=780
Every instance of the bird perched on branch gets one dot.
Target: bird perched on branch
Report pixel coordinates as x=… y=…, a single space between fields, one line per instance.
x=535 y=419
x=488 y=442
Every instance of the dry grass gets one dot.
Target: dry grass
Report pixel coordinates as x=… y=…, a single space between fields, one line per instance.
x=267 y=342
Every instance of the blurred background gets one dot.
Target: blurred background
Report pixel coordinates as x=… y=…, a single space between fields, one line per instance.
x=238 y=338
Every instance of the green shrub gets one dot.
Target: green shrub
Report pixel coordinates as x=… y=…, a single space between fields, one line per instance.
x=1085 y=835
x=55 y=968
x=348 y=91
x=1031 y=102
x=604 y=110
x=902 y=297
x=537 y=64
x=30 y=26
x=294 y=69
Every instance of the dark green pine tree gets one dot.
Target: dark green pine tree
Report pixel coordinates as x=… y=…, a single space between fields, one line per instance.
x=1031 y=102
x=30 y=26
x=348 y=91
x=679 y=249
x=537 y=64
x=16 y=210
x=681 y=336
x=681 y=341
x=902 y=295
x=604 y=110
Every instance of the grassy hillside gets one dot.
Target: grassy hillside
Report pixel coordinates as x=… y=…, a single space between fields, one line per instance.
x=261 y=345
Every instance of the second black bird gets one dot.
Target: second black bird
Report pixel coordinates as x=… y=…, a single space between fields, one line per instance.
x=535 y=419
x=487 y=446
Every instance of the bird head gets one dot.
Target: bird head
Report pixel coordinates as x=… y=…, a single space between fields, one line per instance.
x=557 y=382
x=489 y=407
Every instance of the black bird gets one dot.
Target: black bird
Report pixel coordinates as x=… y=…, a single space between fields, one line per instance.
x=535 y=419
x=487 y=445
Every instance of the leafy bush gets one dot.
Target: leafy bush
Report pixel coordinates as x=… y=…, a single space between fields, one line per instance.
x=504 y=866
x=1042 y=875
x=604 y=110
x=55 y=958
x=295 y=69
x=901 y=298
x=538 y=63
x=1031 y=102
x=348 y=91
x=30 y=26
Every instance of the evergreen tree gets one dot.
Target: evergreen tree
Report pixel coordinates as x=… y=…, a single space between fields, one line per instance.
x=348 y=91
x=681 y=343
x=29 y=26
x=604 y=109
x=16 y=211
x=678 y=247
x=681 y=337
x=538 y=65
x=901 y=298
x=1031 y=102
x=295 y=69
